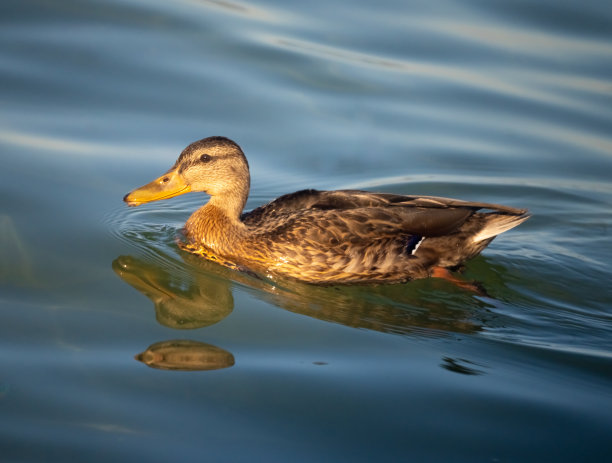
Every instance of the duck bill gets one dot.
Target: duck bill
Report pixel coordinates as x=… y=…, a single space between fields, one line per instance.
x=167 y=186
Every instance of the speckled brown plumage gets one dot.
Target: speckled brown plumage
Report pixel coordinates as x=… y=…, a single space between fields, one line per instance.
x=325 y=237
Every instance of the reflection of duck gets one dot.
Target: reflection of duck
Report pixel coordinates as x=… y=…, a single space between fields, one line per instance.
x=201 y=296
x=344 y=236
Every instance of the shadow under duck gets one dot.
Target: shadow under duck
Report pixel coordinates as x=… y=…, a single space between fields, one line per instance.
x=323 y=237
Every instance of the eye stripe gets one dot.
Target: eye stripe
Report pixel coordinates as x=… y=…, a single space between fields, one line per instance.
x=208 y=157
x=187 y=159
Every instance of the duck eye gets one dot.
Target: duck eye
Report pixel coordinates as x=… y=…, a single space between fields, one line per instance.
x=205 y=158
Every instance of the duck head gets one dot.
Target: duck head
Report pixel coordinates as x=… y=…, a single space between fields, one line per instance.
x=214 y=165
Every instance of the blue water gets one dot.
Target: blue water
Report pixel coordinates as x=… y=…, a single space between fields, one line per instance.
x=116 y=346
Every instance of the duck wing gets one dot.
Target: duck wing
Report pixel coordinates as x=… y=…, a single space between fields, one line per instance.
x=363 y=215
x=351 y=236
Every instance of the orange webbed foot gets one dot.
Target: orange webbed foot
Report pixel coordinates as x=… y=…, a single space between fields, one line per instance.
x=446 y=274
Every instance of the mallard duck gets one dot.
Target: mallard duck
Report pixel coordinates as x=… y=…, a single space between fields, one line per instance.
x=322 y=237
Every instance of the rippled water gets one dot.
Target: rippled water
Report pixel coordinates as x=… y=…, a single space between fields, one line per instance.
x=116 y=346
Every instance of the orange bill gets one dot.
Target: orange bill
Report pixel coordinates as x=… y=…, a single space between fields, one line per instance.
x=167 y=186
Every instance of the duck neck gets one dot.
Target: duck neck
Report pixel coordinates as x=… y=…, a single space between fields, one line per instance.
x=217 y=225
x=229 y=205
x=231 y=197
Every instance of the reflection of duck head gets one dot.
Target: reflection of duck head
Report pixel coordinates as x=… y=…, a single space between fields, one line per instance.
x=208 y=299
x=185 y=355
x=190 y=303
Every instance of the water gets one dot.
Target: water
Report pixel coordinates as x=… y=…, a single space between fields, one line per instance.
x=116 y=346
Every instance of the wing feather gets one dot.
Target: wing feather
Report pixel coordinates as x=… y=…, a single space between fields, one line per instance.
x=358 y=216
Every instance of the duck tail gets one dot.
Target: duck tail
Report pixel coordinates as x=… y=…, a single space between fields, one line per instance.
x=497 y=223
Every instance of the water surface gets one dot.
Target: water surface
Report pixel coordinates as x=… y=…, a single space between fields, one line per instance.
x=116 y=346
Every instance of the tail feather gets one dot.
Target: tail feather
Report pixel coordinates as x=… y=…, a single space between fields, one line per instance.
x=499 y=223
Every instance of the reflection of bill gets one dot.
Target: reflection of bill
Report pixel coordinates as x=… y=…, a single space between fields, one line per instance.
x=185 y=355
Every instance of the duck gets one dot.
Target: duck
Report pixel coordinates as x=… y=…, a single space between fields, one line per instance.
x=334 y=237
